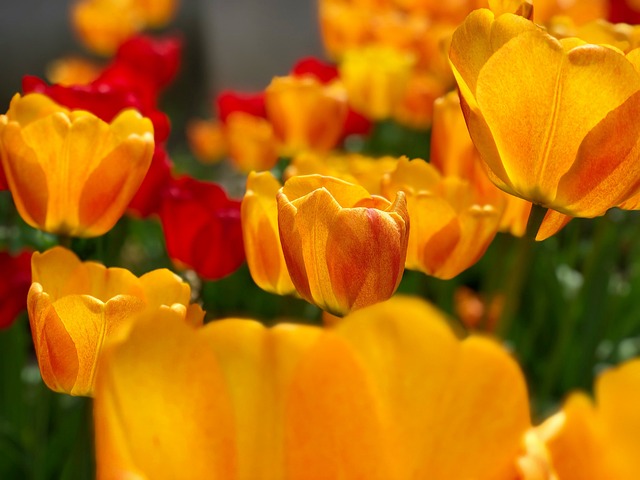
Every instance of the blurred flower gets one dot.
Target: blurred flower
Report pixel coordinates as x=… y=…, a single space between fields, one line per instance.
x=351 y=167
x=522 y=92
x=454 y=155
x=376 y=79
x=202 y=228
x=259 y=212
x=625 y=11
x=390 y=393
x=75 y=306
x=417 y=105
x=16 y=272
x=306 y=114
x=325 y=73
x=207 y=140
x=451 y=223
x=103 y=25
x=251 y=142
x=600 y=440
x=229 y=102
x=69 y=172
x=475 y=312
x=73 y=71
x=344 y=248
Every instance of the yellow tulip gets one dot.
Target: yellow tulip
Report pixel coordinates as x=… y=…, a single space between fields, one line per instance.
x=259 y=213
x=306 y=114
x=523 y=90
x=75 y=306
x=69 y=172
x=344 y=248
x=388 y=394
x=376 y=79
x=451 y=224
x=588 y=439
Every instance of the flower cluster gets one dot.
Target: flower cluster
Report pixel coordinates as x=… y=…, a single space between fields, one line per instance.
x=416 y=302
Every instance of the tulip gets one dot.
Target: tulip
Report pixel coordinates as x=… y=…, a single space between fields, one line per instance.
x=74 y=307
x=229 y=102
x=452 y=225
x=598 y=439
x=103 y=25
x=390 y=393
x=344 y=248
x=376 y=79
x=202 y=228
x=69 y=172
x=305 y=114
x=16 y=271
x=522 y=91
x=259 y=213
x=207 y=140
x=251 y=142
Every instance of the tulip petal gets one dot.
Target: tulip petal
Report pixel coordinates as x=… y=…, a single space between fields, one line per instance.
x=164 y=381
x=333 y=428
x=365 y=255
x=606 y=160
x=258 y=365
x=442 y=388
x=57 y=357
x=618 y=395
x=111 y=185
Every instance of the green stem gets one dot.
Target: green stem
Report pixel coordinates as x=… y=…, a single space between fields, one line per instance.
x=520 y=268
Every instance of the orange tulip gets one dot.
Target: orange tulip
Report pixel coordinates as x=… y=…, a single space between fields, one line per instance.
x=72 y=70
x=103 y=25
x=344 y=248
x=589 y=440
x=388 y=394
x=69 y=172
x=207 y=140
x=251 y=142
x=522 y=91
x=451 y=224
x=306 y=114
x=74 y=307
x=259 y=213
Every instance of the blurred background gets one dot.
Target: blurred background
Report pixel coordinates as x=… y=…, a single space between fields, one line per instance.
x=240 y=45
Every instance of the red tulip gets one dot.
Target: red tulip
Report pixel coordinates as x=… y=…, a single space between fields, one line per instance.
x=14 y=286
x=202 y=227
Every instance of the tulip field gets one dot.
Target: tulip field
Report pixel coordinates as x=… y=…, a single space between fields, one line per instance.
x=416 y=257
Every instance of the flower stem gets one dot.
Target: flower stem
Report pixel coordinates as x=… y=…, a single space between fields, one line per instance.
x=520 y=268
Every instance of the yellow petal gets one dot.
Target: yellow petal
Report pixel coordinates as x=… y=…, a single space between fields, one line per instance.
x=163 y=382
x=259 y=213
